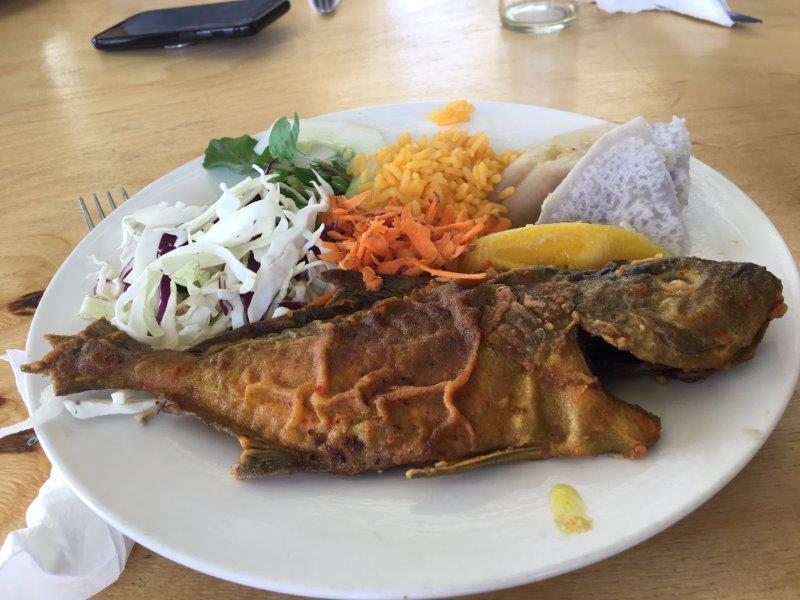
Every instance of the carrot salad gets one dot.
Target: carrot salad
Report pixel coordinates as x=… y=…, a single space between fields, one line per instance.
x=393 y=240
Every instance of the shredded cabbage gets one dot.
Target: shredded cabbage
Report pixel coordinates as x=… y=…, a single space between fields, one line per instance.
x=187 y=273
x=94 y=307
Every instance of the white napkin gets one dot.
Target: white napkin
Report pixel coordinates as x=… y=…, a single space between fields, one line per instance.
x=716 y=11
x=67 y=551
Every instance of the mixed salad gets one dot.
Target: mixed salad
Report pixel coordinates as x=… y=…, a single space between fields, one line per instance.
x=186 y=273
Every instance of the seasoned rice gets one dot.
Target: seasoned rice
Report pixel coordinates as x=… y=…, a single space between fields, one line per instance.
x=451 y=167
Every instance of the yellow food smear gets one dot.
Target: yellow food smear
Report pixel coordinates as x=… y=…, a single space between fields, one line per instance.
x=568 y=245
x=568 y=510
x=458 y=111
x=451 y=167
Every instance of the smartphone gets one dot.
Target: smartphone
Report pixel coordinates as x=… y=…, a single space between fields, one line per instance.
x=188 y=24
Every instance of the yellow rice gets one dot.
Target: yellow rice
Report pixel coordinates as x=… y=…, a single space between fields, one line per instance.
x=458 y=111
x=449 y=167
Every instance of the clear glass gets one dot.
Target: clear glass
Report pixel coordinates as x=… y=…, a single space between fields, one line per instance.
x=538 y=16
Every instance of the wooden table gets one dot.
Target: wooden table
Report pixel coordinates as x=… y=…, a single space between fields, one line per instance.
x=74 y=120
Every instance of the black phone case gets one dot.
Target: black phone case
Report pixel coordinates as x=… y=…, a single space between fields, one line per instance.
x=181 y=38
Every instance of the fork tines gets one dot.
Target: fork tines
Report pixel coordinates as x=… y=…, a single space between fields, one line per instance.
x=101 y=212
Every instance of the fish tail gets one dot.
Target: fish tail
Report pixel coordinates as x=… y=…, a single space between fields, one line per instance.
x=99 y=357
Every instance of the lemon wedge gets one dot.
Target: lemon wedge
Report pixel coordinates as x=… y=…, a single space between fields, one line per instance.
x=568 y=245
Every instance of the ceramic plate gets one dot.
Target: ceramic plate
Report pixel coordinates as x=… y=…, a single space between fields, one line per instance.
x=167 y=486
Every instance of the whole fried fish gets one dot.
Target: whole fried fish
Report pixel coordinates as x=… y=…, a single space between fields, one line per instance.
x=443 y=378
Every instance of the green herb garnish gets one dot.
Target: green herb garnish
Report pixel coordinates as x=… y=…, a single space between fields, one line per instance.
x=236 y=154
x=280 y=160
x=283 y=138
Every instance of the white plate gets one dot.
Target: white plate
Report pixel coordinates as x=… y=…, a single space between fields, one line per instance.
x=166 y=484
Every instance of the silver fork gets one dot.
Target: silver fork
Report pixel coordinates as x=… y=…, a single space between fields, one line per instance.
x=90 y=223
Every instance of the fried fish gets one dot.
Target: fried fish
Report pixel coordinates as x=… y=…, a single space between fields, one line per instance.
x=442 y=378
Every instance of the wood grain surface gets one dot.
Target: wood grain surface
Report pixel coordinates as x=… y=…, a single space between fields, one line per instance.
x=75 y=120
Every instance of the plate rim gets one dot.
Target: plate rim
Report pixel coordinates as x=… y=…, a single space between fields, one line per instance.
x=619 y=545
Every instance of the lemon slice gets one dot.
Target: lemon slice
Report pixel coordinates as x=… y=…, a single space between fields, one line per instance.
x=568 y=245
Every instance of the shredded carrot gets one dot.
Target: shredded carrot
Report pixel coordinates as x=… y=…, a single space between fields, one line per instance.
x=350 y=203
x=448 y=274
x=392 y=240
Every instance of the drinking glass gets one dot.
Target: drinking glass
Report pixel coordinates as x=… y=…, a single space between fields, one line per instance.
x=538 y=16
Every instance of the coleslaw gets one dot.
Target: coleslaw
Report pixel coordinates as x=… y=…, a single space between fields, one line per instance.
x=186 y=273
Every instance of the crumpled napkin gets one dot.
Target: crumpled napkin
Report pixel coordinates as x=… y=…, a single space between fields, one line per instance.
x=67 y=551
x=716 y=11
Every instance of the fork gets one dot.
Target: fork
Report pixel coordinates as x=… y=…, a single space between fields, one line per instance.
x=111 y=203
x=324 y=7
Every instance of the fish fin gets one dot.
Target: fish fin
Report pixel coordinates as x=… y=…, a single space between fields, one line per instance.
x=445 y=467
x=350 y=296
x=174 y=408
x=350 y=284
x=259 y=457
